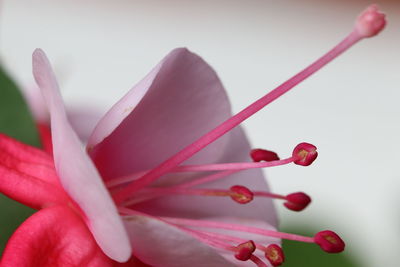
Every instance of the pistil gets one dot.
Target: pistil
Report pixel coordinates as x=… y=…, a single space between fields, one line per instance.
x=368 y=24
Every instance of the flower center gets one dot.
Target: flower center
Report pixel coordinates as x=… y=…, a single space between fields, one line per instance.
x=136 y=188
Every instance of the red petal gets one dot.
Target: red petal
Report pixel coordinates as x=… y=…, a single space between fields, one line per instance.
x=27 y=174
x=54 y=236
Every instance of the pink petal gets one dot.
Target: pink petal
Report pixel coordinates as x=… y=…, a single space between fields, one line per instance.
x=160 y=244
x=51 y=237
x=27 y=175
x=77 y=173
x=177 y=102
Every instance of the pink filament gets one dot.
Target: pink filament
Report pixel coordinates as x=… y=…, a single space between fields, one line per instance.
x=240 y=228
x=206 y=179
x=235 y=120
x=267 y=194
x=257 y=261
x=232 y=166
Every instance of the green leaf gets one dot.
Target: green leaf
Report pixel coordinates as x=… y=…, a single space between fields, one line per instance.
x=12 y=214
x=17 y=122
x=15 y=118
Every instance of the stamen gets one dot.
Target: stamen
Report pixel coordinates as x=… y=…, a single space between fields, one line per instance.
x=356 y=35
x=205 y=238
x=297 y=201
x=232 y=166
x=241 y=194
x=245 y=250
x=238 y=193
x=259 y=154
x=228 y=168
x=239 y=228
x=329 y=241
x=304 y=154
x=274 y=254
x=242 y=252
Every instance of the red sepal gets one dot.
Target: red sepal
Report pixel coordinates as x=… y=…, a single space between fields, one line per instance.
x=27 y=175
x=45 y=137
x=55 y=236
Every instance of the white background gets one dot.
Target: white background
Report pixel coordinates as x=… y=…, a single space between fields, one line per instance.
x=349 y=110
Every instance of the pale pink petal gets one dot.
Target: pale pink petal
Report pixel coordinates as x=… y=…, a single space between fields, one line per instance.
x=162 y=245
x=181 y=99
x=77 y=173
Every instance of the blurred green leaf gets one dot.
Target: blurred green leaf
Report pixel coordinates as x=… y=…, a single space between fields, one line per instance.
x=298 y=254
x=15 y=121
x=15 y=118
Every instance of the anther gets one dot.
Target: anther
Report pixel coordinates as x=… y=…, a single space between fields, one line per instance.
x=370 y=22
x=304 y=154
x=297 y=201
x=245 y=250
x=329 y=241
x=274 y=254
x=259 y=154
x=241 y=194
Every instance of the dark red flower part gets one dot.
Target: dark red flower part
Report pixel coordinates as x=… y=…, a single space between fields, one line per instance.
x=259 y=154
x=329 y=241
x=242 y=194
x=45 y=137
x=304 y=154
x=245 y=250
x=297 y=201
x=274 y=254
x=28 y=175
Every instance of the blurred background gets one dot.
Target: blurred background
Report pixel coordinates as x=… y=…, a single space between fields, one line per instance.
x=349 y=109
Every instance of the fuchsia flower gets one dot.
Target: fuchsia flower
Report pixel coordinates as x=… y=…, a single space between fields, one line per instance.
x=129 y=194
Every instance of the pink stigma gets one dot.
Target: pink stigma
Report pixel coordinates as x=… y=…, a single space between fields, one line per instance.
x=329 y=241
x=370 y=22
